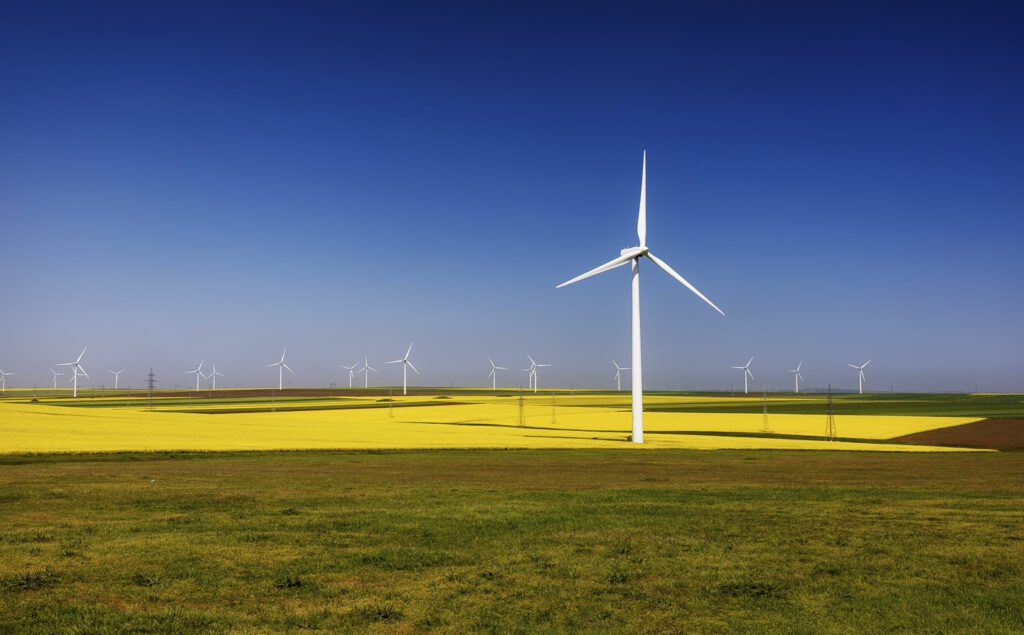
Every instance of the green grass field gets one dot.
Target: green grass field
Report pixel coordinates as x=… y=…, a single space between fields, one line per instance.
x=513 y=541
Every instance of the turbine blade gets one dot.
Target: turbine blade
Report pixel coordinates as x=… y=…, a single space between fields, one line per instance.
x=611 y=264
x=289 y=369
x=852 y=366
x=82 y=354
x=412 y=367
x=408 y=351
x=750 y=361
x=641 y=219
x=672 y=272
x=395 y=361
x=866 y=363
x=501 y=368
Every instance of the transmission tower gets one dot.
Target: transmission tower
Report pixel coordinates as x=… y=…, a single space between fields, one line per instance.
x=764 y=418
x=150 y=380
x=830 y=420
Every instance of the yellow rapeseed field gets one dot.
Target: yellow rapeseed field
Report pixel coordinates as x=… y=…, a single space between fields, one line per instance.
x=481 y=421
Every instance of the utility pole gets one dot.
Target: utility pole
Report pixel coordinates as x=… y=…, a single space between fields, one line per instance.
x=830 y=419
x=522 y=417
x=552 y=407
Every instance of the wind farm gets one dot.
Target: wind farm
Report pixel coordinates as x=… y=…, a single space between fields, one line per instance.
x=198 y=198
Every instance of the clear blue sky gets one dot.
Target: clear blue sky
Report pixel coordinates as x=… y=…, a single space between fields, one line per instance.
x=187 y=181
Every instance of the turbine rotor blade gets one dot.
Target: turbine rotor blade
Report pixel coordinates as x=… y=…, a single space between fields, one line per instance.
x=289 y=369
x=611 y=264
x=641 y=220
x=412 y=367
x=672 y=272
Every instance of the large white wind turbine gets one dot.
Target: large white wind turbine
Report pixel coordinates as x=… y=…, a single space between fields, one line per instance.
x=618 y=374
x=3 y=380
x=76 y=368
x=797 y=377
x=116 y=374
x=351 y=371
x=746 y=372
x=633 y=255
x=406 y=365
x=198 y=372
x=860 y=375
x=365 y=370
x=280 y=370
x=533 y=370
x=55 y=376
x=213 y=377
x=494 y=374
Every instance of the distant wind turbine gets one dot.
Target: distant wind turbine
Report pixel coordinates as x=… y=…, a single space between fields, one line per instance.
x=213 y=377
x=618 y=374
x=533 y=370
x=55 y=376
x=797 y=377
x=3 y=380
x=76 y=367
x=746 y=373
x=116 y=374
x=198 y=372
x=406 y=365
x=494 y=374
x=351 y=371
x=280 y=370
x=633 y=256
x=365 y=370
x=860 y=375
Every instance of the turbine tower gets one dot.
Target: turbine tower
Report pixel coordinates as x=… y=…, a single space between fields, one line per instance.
x=618 y=374
x=365 y=370
x=406 y=365
x=213 y=376
x=76 y=367
x=633 y=256
x=860 y=375
x=797 y=377
x=3 y=380
x=280 y=370
x=746 y=373
x=116 y=374
x=55 y=376
x=198 y=372
x=494 y=374
x=533 y=370
x=351 y=371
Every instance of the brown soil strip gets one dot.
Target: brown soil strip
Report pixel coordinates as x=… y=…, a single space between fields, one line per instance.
x=995 y=434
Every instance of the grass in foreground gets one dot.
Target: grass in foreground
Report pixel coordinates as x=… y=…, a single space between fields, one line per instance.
x=513 y=542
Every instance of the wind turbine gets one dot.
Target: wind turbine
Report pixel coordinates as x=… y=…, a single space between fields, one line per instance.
x=797 y=377
x=494 y=374
x=406 y=365
x=633 y=255
x=533 y=370
x=198 y=372
x=860 y=375
x=618 y=375
x=213 y=376
x=351 y=371
x=280 y=370
x=746 y=372
x=365 y=370
x=55 y=376
x=76 y=367
x=3 y=380
x=116 y=374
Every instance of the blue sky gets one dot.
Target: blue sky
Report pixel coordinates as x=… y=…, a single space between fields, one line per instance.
x=189 y=181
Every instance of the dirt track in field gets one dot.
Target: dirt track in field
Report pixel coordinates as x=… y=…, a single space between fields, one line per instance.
x=995 y=434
